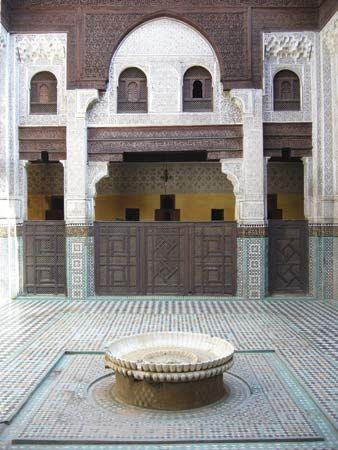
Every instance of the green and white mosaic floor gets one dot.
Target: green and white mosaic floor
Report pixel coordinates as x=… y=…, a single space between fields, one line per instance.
x=283 y=388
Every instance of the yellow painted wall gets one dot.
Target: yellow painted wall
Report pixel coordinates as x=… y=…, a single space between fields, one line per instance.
x=292 y=206
x=194 y=207
x=37 y=206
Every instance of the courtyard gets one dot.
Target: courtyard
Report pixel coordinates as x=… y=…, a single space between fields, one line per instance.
x=283 y=385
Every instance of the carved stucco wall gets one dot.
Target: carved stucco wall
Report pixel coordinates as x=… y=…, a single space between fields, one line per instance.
x=4 y=89
x=285 y=177
x=330 y=108
x=164 y=49
x=148 y=178
x=321 y=173
x=37 y=53
x=45 y=179
x=289 y=51
x=329 y=137
x=11 y=205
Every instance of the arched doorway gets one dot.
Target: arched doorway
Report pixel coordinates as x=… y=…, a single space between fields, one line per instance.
x=165 y=228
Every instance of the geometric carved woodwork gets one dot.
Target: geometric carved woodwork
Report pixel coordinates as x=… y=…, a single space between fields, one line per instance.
x=286 y=91
x=197 y=90
x=34 y=140
x=294 y=136
x=132 y=95
x=43 y=94
x=165 y=258
x=95 y=29
x=109 y=144
x=288 y=257
x=44 y=257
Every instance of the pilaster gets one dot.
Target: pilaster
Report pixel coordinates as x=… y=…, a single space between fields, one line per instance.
x=323 y=198
x=11 y=207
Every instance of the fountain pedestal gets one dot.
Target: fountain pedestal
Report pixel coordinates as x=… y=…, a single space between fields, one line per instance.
x=168 y=396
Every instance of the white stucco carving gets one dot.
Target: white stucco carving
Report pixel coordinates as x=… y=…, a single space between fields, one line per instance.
x=330 y=35
x=3 y=41
x=283 y=46
x=37 y=49
x=38 y=53
x=294 y=51
x=329 y=73
x=95 y=171
x=164 y=49
x=233 y=169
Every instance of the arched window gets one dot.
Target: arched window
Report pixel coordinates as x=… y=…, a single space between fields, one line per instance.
x=197 y=90
x=286 y=91
x=43 y=93
x=132 y=95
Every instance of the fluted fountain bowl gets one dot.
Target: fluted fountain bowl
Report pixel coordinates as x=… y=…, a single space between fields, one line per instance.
x=152 y=368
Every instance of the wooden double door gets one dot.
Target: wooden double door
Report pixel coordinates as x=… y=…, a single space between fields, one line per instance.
x=178 y=258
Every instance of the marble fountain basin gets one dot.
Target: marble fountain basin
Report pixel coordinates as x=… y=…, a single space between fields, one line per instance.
x=169 y=370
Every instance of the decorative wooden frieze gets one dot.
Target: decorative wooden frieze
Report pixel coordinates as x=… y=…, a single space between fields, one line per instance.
x=252 y=231
x=5 y=13
x=105 y=143
x=34 y=140
x=79 y=230
x=96 y=28
x=327 y=9
x=323 y=229
x=297 y=137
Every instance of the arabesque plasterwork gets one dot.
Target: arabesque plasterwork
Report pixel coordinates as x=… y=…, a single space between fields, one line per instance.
x=38 y=53
x=164 y=61
x=289 y=51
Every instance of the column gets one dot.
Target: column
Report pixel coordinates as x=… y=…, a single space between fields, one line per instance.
x=78 y=205
x=248 y=176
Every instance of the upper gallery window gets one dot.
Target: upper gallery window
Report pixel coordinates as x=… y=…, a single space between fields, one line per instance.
x=286 y=91
x=132 y=96
x=197 y=90
x=43 y=93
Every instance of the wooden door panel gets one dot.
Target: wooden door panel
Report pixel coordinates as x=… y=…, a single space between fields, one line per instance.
x=164 y=259
x=288 y=257
x=115 y=259
x=44 y=257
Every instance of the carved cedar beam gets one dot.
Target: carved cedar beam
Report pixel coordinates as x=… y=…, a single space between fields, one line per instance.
x=294 y=136
x=34 y=140
x=107 y=144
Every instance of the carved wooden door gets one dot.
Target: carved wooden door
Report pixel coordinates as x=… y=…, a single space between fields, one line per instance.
x=173 y=258
x=44 y=257
x=288 y=257
x=214 y=248
x=116 y=258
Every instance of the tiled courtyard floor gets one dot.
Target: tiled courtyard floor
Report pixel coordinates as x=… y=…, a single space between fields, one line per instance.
x=287 y=353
